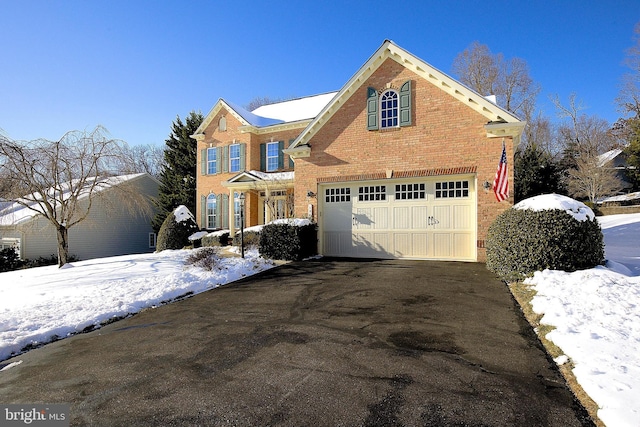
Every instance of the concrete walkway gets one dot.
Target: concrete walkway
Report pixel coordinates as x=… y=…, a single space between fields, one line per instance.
x=319 y=343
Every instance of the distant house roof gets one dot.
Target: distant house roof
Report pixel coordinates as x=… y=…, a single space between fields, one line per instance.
x=609 y=156
x=14 y=213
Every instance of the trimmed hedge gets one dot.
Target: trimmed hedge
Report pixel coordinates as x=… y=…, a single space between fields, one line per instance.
x=520 y=242
x=288 y=242
x=175 y=235
x=221 y=239
x=251 y=239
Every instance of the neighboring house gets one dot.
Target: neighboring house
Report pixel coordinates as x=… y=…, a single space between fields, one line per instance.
x=105 y=232
x=397 y=164
x=616 y=159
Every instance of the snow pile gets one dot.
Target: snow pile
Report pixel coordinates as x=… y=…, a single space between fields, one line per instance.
x=596 y=314
x=182 y=214
x=42 y=304
x=577 y=209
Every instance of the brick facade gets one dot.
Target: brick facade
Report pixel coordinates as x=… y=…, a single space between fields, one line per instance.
x=446 y=135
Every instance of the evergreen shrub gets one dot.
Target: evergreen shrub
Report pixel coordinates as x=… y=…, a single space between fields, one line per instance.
x=9 y=260
x=251 y=239
x=520 y=242
x=288 y=242
x=218 y=239
x=175 y=234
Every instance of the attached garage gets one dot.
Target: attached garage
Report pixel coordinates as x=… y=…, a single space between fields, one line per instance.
x=421 y=218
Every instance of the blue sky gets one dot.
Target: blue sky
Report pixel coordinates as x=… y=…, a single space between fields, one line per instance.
x=133 y=66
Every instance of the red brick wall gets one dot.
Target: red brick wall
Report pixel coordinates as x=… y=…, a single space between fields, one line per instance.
x=206 y=184
x=445 y=133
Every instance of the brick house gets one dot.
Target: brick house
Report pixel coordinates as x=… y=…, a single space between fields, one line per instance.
x=397 y=164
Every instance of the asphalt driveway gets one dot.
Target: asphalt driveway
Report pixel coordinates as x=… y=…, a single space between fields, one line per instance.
x=319 y=343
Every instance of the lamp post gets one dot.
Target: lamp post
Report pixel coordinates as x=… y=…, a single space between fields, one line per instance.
x=241 y=197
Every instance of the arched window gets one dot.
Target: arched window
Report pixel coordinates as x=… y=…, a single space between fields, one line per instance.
x=211 y=211
x=222 y=124
x=389 y=109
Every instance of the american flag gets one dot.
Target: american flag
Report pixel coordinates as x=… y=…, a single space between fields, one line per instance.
x=501 y=181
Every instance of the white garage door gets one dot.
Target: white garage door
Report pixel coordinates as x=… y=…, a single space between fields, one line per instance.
x=422 y=218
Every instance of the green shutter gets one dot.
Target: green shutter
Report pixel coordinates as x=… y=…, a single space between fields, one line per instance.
x=203 y=162
x=280 y=155
x=405 y=104
x=263 y=157
x=203 y=211
x=217 y=220
x=224 y=159
x=372 y=109
x=243 y=155
x=291 y=163
x=223 y=200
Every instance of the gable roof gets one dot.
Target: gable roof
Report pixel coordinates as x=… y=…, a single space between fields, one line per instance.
x=500 y=121
x=14 y=213
x=299 y=110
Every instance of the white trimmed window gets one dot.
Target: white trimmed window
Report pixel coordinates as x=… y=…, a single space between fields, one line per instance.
x=234 y=158
x=212 y=161
x=273 y=153
x=389 y=109
x=452 y=189
x=211 y=211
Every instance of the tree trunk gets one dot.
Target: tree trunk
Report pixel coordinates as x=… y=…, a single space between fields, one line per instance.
x=63 y=245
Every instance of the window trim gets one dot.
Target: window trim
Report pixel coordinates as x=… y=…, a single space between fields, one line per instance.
x=211 y=216
x=232 y=159
x=394 y=109
x=212 y=165
x=272 y=157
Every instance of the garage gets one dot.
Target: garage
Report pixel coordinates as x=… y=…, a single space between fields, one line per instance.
x=421 y=218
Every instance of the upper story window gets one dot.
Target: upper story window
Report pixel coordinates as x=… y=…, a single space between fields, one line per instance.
x=222 y=124
x=272 y=156
x=389 y=108
x=234 y=158
x=212 y=161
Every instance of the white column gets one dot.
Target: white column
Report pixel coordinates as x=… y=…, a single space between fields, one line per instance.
x=232 y=214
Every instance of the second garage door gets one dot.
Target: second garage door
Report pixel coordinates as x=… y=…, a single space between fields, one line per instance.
x=427 y=218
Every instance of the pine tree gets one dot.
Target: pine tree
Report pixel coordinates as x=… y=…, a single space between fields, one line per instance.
x=535 y=173
x=632 y=150
x=178 y=176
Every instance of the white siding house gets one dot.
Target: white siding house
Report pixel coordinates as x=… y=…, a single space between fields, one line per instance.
x=105 y=232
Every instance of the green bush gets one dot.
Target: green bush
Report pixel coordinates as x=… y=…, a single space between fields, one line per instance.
x=9 y=260
x=251 y=239
x=288 y=242
x=218 y=239
x=175 y=234
x=520 y=242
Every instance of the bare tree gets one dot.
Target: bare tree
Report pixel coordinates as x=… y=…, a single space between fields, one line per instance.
x=584 y=139
x=492 y=74
x=629 y=97
x=61 y=180
x=143 y=158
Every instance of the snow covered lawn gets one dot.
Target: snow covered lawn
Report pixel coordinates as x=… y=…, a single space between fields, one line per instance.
x=42 y=304
x=596 y=314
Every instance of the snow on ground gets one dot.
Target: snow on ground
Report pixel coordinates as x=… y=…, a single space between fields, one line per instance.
x=596 y=313
x=40 y=304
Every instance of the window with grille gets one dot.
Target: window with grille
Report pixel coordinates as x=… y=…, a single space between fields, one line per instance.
x=337 y=195
x=372 y=193
x=389 y=109
x=410 y=191
x=452 y=189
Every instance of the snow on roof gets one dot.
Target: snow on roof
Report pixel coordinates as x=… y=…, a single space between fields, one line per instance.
x=253 y=119
x=577 y=209
x=295 y=109
x=621 y=198
x=273 y=176
x=13 y=213
x=605 y=158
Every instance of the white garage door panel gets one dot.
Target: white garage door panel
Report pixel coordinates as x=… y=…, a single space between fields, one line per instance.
x=422 y=218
